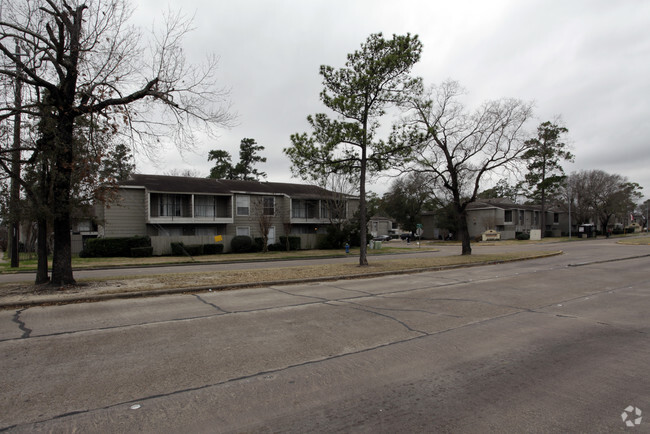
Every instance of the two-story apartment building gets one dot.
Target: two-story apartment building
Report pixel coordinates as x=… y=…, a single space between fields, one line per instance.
x=503 y=216
x=509 y=218
x=173 y=208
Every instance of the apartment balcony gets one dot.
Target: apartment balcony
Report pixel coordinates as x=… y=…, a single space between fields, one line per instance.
x=189 y=209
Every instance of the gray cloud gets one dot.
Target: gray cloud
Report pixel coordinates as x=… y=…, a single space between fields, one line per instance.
x=587 y=61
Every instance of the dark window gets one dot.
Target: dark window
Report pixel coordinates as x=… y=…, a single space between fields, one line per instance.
x=269 y=206
x=170 y=205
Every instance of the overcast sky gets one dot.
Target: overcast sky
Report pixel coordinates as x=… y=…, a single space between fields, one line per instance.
x=587 y=61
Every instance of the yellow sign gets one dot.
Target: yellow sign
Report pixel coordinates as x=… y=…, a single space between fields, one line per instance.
x=218 y=238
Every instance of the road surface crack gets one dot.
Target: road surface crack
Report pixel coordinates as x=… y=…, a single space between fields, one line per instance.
x=21 y=325
x=363 y=308
x=210 y=304
x=299 y=295
x=394 y=309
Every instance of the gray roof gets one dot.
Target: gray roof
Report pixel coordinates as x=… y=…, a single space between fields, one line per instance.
x=183 y=184
x=507 y=204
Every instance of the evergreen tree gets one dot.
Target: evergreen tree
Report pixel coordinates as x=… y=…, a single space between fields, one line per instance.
x=244 y=169
x=545 y=174
x=373 y=79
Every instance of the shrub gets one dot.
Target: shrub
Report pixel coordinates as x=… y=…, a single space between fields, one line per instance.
x=109 y=247
x=294 y=243
x=258 y=245
x=277 y=247
x=336 y=238
x=141 y=252
x=194 y=249
x=212 y=249
x=178 y=249
x=241 y=244
x=522 y=236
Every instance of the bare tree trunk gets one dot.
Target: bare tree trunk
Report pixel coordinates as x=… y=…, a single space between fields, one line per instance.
x=363 y=210
x=42 y=275
x=62 y=261
x=463 y=233
x=62 y=187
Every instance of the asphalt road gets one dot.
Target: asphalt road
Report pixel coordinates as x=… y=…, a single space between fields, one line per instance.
x=534 y=346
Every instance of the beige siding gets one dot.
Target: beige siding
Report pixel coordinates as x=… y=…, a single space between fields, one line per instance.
x=126 y=217
x=253 y=219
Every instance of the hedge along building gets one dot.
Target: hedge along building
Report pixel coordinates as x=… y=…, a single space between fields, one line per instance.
x=196 y=210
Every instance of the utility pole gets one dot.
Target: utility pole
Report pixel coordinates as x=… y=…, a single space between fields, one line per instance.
x=14 y=195
x=570 y=200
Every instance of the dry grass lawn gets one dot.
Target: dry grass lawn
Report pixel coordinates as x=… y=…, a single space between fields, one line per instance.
x=15 y=294
x=301 y=273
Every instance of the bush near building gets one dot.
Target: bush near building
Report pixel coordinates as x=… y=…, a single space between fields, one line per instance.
x=113 y=247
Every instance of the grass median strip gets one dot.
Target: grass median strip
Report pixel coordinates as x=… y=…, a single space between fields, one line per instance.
x=280 y=274
x=28 y=261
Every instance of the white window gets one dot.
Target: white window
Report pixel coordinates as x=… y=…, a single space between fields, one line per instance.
x=243 y=205
x=299 y=209
x=85 y=226
x=244 y=230
x=204 y=206
x=271 y=238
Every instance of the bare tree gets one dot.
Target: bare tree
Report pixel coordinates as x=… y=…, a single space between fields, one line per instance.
x=264 y=209
x=189 y=173
x=461 y=149
x=406 y=199
x=341 y=188
x=84 y=61
x=600 y=196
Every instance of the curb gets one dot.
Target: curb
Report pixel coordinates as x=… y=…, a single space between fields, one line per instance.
x=228 y=287
x=185 y=263
x=581 y=264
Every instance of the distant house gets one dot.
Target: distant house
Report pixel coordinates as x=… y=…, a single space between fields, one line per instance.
x=195 y=210
x=380 y=225
x=509 y=218
x=503 y=216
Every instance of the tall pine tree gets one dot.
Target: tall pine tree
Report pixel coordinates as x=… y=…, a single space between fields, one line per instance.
x=545 y=174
